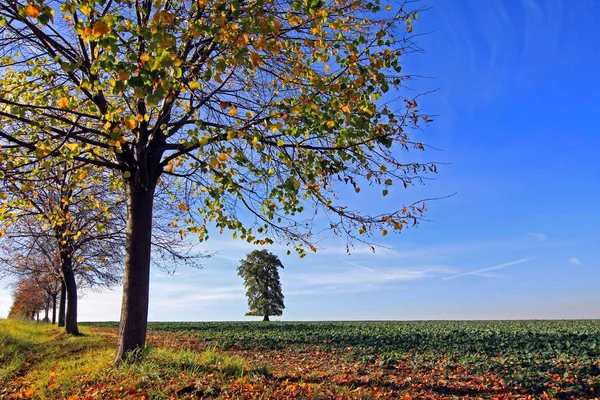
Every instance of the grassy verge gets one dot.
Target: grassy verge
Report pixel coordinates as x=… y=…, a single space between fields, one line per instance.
x=16 y=338
x=40 y=361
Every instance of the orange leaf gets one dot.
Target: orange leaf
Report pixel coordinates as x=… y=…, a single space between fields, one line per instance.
x=33 y=11
x=130 y=123
x=63 y=102
x=100 y=28
x=254 y=59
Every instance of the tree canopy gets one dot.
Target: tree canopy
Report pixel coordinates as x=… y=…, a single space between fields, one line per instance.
x=244 y=115
x=261 y=279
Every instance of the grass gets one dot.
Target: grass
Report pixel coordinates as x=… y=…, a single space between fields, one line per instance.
x=16 y=340
x=39 y=360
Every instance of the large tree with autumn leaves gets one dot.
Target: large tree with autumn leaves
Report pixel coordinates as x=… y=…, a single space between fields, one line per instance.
x=241 y=113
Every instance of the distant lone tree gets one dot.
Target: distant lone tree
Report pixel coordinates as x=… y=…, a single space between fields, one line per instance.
x=261 y=279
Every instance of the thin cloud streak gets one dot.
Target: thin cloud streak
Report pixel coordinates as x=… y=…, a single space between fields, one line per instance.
x=365 y=268
x=501 y=266
x=537 y=235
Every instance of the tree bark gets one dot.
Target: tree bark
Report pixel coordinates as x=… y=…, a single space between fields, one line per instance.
x=266 y=317
x=54 y=308
x=61 y=307
x=46 y=310
x=136 y=279
x=71 y=286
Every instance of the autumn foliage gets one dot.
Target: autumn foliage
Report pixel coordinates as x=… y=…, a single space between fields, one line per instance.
x=242 y=116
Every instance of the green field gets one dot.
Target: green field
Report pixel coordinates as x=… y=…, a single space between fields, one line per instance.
x=559 y=358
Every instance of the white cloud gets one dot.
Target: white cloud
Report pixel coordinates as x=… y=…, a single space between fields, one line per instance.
x=479 y=271
x=538 y=236
x=361 y=275
x=574 y=261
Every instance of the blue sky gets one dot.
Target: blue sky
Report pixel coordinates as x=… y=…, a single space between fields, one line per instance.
x=517 y=95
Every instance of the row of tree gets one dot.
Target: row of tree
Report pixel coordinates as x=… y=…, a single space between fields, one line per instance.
x=122 y=119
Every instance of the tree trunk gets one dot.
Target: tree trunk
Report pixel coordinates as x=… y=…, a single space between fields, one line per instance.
x=54 y=308
x=71 y=285
x=136 y=279
x=266 y=317
x=46 y=310
x=33 y=315
x=61 y=307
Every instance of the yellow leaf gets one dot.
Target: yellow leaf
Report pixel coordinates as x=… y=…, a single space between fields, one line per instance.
x=194 y=85
x=144 y=57
x=139 y=117
x=346 y=109
x=293 y=20
x=182 y=206
x=72 y=146
x=297 y=185
x=33 y=11
x=222 y=157
x=384 y=232
x=327 y=67
x=63 y=102
x=100 y=28
x=26 y=187
x=3 y=196
x=280 y=142
x=330 y=124
x=233 y=112
x=130 y=123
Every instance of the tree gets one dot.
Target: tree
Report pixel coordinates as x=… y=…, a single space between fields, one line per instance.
x=248 y=115
x=28 y=299
x=261 y=279
x=59 y=221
